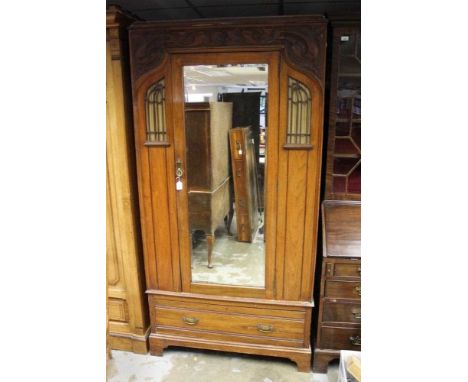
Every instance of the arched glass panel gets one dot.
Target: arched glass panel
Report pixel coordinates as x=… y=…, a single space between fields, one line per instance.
x=299 y=113
x=155 y=114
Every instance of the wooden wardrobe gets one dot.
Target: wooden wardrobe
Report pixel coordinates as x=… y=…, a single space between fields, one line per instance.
x=273 y=319
x=127 y=306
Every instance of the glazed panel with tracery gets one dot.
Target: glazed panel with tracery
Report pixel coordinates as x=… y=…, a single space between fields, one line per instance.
x=156 y=131
x=299 y=114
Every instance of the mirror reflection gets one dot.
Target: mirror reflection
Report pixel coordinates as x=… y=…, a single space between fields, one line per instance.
x=225 y=131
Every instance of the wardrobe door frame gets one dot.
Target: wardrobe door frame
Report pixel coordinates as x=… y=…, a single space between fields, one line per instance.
x=178 y=61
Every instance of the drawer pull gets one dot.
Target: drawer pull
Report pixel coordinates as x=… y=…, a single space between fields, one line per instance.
x=358 y=290
x=265 y=328
x=359 y=270
x=355 y=340
x=357 y=315
x=190 y=320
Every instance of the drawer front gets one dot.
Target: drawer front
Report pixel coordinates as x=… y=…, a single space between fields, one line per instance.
x=340 y=338
x=347 y=270
x=341 y=312
x=230 y=323
x=343 y=289
x=202 y=319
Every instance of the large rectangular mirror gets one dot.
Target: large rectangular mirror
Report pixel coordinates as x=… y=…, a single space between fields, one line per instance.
x=225 y=131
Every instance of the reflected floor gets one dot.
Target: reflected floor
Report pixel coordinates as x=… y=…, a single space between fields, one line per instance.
x=234 y=262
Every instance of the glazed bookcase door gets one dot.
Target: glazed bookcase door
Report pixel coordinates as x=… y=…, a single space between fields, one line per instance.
x=344 y=122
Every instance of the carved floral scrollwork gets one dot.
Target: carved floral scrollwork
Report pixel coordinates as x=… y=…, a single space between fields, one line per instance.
x=148 y=52
x=301 y=44
x=302 y=50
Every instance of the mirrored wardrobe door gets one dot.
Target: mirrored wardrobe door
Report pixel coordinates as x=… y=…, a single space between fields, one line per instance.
x=221 y=161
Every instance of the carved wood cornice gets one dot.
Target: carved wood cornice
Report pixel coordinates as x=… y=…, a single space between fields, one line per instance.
x=301 y=38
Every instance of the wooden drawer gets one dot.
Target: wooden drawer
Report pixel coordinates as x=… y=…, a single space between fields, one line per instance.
x=228 y=322
x=341 y=312
x=340 y=338
x=347 y=270
x=343 y=289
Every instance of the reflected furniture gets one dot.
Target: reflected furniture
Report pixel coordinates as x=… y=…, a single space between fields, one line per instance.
x=207 y=127
x=339 y=317
x=244 y=173
x=273 y=319
x=246 y=112
x=127 y=306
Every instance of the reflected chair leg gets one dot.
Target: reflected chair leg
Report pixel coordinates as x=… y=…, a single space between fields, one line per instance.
x=228 y=221
x=210 y=240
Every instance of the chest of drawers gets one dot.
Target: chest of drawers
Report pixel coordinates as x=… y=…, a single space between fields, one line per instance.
x=339 y=318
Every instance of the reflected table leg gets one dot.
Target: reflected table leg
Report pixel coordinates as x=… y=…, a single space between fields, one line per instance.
x=210 y=238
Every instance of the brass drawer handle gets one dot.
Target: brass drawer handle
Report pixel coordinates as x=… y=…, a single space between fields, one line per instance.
x=265 y=328
x=190 y=320
x=359 y=270
x=358 y=290
x=357 y=315
x=355 y=340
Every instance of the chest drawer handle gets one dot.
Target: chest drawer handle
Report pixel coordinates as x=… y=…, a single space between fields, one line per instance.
x=358 y=290
x=357 y=315
x=190 y=320
x=359 y=270
x=265 y=328
x=355 y=340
